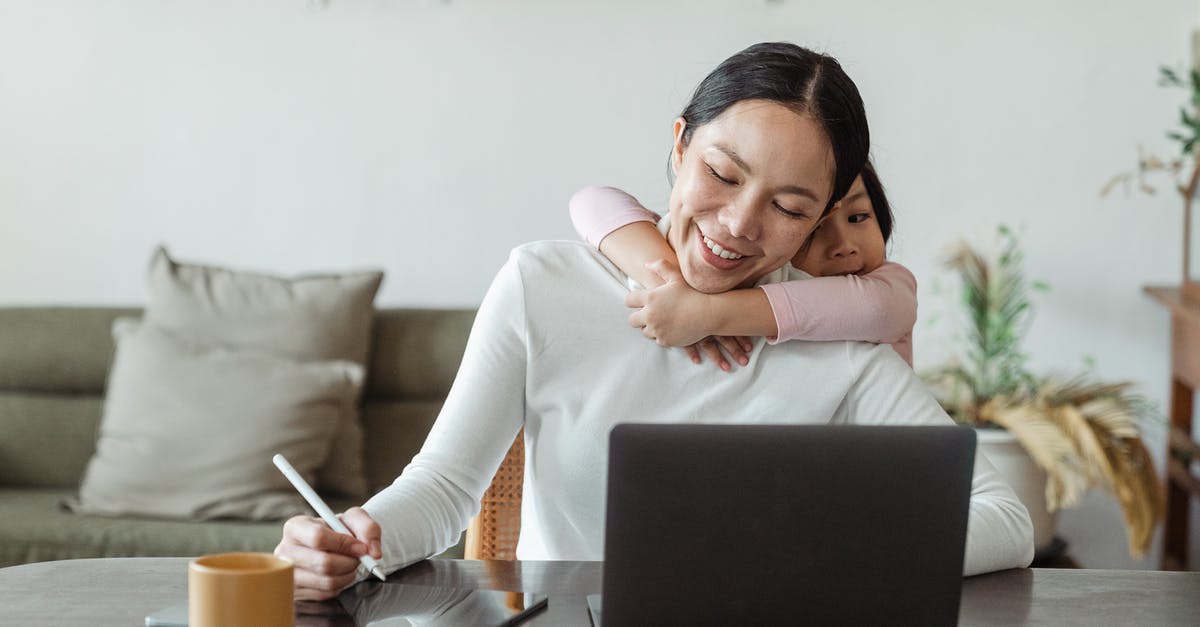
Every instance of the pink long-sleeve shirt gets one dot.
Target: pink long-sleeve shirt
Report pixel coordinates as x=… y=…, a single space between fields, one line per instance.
x=878 y=307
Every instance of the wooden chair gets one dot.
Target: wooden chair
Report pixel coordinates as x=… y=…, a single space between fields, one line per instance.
x=493 y=533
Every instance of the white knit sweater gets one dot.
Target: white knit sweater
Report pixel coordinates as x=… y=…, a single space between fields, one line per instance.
x=551 y=351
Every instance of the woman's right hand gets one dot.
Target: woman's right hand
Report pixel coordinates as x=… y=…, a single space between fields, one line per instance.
x=325 y=562
x=717 y=347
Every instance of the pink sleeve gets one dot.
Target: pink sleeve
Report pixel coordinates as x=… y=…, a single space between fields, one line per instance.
x=597 y=211
x=878 y=307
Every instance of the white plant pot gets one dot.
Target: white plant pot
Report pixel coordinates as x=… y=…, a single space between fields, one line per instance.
x=1017 y=469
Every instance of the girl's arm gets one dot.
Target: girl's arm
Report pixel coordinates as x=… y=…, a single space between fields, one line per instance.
x=879 y=307
x=622 y=229
x=676 y=314
x=625 y=232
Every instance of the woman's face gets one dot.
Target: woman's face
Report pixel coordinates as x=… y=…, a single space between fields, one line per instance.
x=749 y=189
x=847 y=241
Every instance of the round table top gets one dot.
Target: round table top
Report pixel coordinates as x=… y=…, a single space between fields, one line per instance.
x=122 y=591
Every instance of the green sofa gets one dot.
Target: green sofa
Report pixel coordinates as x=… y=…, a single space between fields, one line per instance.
x=53 y=364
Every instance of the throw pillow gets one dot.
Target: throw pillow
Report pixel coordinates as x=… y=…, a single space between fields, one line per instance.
x=305 y=318
x=188 y=430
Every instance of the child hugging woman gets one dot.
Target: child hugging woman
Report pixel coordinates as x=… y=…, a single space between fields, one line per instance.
x=856 y=293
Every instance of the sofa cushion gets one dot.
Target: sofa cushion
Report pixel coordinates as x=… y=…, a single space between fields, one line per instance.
x=415 y=353
x=46 y=439
x=56 y=350
x=188 y=430
x=304 y=318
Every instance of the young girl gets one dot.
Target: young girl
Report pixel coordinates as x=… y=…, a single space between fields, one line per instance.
x=857 y=295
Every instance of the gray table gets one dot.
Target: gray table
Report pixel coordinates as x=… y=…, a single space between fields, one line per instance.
x=121 y=591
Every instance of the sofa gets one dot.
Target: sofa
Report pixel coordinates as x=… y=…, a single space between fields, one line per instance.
x=53 y=367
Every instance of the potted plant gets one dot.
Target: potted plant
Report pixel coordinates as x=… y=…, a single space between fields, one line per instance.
x=1052 y=438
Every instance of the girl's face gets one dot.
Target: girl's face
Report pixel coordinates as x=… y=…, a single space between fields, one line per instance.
x=847 y=241
x=749 y=188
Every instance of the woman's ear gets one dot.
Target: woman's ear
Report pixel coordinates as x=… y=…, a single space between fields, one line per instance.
x=678 y=147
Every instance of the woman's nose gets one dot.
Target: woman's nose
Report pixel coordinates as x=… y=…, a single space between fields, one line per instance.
x=741 y=220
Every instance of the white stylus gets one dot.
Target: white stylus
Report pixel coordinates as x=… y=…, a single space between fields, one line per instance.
x=323 y=510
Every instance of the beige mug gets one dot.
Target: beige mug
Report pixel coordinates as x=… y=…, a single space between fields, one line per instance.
x=240 y=590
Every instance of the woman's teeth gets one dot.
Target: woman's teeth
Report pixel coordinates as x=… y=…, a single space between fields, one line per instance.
x=720 y=252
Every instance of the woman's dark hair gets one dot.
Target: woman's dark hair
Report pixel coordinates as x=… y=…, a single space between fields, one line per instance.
x=801 y=80
x=879 y=201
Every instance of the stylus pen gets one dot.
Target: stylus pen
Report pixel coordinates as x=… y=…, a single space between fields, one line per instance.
x=323 y=510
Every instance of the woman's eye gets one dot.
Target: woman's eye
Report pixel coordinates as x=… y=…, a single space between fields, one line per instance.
x=719 y=177
x=859 y=217
x=789 y=213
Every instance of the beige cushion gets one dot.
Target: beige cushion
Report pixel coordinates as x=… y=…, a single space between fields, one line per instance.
x=188 y=430
x=303 y=318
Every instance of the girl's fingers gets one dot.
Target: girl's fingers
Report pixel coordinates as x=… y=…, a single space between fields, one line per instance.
x=692 y=353
x=665 y=270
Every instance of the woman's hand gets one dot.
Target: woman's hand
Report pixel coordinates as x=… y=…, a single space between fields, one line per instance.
x=716 y=346
x=324 y=561
x=674 y=314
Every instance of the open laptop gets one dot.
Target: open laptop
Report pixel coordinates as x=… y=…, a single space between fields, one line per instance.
x=766 y=524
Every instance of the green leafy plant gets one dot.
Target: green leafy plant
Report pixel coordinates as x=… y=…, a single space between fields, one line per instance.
x=1191 y=125
x=1187 y=135
x=1081 y=432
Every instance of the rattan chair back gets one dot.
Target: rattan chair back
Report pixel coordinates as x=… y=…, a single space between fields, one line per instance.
x=493 y=533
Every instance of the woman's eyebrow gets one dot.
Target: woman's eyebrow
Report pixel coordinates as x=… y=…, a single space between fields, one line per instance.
x=786 y=189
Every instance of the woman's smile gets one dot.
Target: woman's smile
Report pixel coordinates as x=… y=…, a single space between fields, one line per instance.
x=717 y=255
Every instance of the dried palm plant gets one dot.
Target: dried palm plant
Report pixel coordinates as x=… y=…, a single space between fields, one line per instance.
x=1082 y=433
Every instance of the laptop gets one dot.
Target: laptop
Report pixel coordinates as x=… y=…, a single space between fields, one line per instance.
x=784 y=524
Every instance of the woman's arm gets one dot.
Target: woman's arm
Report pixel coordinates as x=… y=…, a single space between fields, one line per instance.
x=426 y=509
x=999 y=532
x=878 y=307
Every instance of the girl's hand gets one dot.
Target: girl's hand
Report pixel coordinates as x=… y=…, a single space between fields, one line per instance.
x=674 y=314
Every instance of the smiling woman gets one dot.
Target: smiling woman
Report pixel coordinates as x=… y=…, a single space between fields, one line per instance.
x=735 y=218
x=770 y=141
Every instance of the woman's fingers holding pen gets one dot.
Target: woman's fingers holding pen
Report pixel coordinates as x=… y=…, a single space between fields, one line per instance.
x=360 y=523
x=324 y=561
x=307 y=531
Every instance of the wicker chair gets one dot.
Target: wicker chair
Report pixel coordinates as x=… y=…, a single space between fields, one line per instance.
x=493 y=533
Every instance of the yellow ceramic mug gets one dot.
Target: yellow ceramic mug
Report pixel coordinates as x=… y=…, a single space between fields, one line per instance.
x=240 y=590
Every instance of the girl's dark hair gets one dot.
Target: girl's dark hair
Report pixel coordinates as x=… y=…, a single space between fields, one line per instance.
x=802 y=80
x=879 y=201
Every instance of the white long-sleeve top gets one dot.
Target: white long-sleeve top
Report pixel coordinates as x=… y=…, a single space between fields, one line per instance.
x=551 y=351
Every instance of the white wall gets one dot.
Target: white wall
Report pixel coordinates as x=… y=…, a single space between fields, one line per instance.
x=430 y=137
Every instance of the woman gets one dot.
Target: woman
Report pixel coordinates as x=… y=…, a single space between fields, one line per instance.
x=551 y=350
